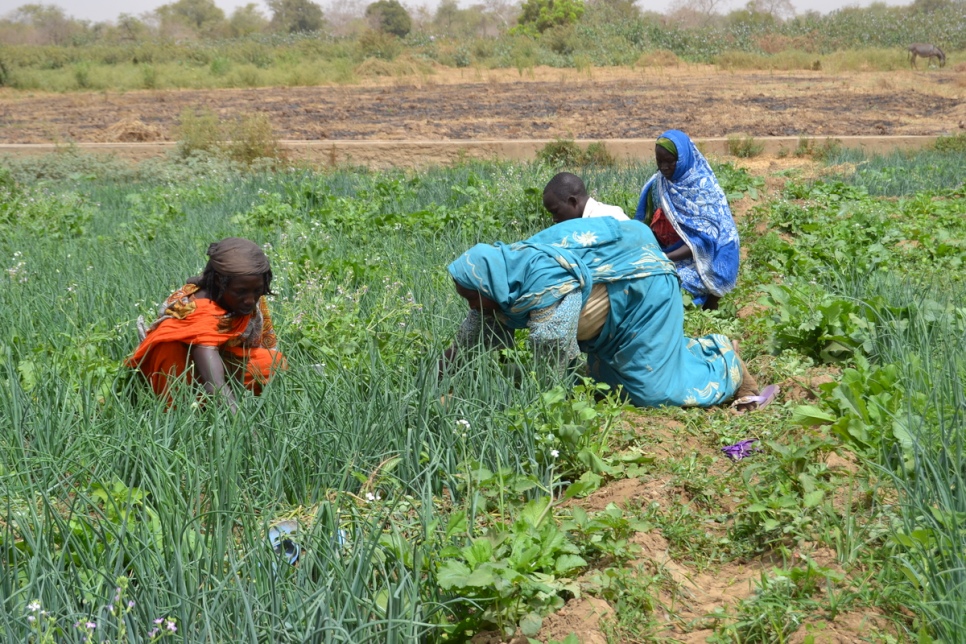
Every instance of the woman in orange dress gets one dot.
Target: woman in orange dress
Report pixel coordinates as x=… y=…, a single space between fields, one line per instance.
x=215 y=327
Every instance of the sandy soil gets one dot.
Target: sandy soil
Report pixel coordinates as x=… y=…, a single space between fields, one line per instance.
x=611 y=103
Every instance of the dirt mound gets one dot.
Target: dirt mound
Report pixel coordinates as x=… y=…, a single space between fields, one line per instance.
x=580 y=617
x=131 y=130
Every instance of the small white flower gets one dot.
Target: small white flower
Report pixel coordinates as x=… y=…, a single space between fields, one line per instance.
x=465 y=423
x=555 y=453
x=373 y=497
x=33 y=606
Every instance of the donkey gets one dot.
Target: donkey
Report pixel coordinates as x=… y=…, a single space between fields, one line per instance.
x=927 y=51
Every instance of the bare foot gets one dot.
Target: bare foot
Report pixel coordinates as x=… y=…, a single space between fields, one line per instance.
x=748 y=386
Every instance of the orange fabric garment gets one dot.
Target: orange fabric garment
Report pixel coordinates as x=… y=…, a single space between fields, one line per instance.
x=165 y=351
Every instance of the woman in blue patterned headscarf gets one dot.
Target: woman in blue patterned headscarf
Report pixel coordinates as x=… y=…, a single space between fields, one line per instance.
x=688 y=212
x=603 y=287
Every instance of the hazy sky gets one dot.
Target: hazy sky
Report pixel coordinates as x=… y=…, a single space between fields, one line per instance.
x=98 y=10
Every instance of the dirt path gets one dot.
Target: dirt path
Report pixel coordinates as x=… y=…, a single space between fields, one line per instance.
x=611 y=103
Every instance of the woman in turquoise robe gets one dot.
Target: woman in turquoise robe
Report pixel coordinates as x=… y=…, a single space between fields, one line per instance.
x=604 y=287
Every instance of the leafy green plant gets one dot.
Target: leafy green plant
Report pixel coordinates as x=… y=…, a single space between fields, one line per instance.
x=60 y=216
x=779 y=605
x=738 y=183
x=787 y=491
x=573 y=432
x=156 y=212
x=818 y=324
x=518 y=574
x=867 y=411
x=604 y=534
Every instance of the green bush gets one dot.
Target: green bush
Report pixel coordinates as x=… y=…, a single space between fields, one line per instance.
x=951 y=143
x=253 y=138
x=219 y=66
x=563 y=152
x=744 y=147
x=379 y=44
x=199 y=132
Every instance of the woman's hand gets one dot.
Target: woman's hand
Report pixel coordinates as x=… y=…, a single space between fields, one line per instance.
x=678 y=254
x=211 y=372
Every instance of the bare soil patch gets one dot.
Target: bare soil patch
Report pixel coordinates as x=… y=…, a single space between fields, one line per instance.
x=545 y=103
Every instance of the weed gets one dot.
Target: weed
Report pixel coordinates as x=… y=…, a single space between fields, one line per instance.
x=252 y=138
x=952 y=143
x=564 y=152
x=561 y=152
x=374 y=43
x=82 y=75
x=219 y=66
x=199 y=132
x=149 y=77
x=744 y=147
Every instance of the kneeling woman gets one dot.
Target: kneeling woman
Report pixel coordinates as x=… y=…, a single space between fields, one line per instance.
x=604 y=287
x=218 y=323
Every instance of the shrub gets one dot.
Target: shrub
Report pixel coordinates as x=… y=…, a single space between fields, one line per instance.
x=560 y=152
x=827 y=149
x=219 y=66
x=149 y=77
x=462 y=57
x=244 y=140
x=82 y=75
x=252 y=137
x=560 y=39
x=597 y=154
x=953 y=143
x=199 y=132
x=564 y=152
x=379 y=44
x=744 y=147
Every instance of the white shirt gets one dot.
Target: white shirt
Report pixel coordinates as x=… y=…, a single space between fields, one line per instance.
x=598 y=209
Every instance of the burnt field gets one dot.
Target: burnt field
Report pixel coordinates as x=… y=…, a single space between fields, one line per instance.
x=616 y=103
